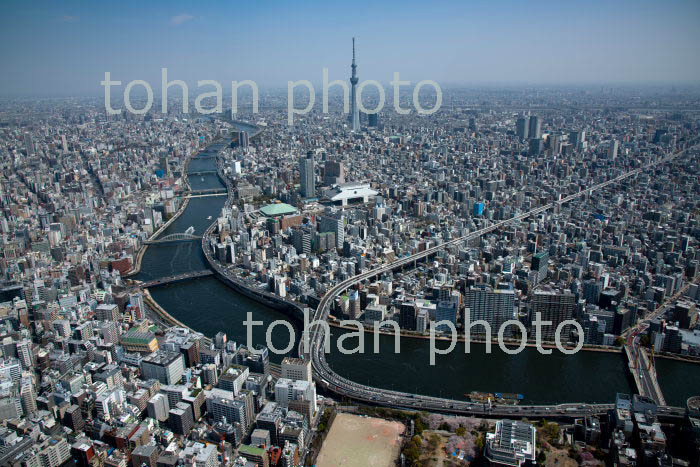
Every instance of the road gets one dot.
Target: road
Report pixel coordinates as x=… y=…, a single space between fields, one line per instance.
x=641 y=368
x=328 y=379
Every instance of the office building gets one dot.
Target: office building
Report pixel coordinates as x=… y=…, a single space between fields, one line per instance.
x=181 y=418
x=333 y=173
x=158 y=407
x=408 y=315
x=522 y=128
x=334 y=223
x=73 y=418
x=307 y=175
x=287 y=390
x=166 y=367
x=535 y=127
x=224 y=405
x=540 y=265
x=301 y=240
x=296 y=369
x=445 y=311
x=536 y=146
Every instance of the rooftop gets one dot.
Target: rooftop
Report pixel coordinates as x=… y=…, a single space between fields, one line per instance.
x=278 y=209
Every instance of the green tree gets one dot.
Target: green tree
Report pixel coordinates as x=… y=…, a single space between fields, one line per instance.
x=541 y=457
x=419 y=425
x=551 y=431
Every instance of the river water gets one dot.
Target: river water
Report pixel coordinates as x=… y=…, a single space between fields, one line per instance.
x=209 y=306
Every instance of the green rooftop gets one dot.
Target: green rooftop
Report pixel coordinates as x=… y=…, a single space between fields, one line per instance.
x=278 y=209
x=250 y=450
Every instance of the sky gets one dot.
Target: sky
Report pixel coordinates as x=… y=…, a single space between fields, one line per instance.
x=65 y=47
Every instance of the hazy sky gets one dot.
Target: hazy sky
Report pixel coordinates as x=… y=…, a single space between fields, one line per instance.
x=64 y=47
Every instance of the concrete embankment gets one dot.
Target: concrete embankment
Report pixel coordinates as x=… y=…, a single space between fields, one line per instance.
x=509 y=343
x=136 y=267
x=139 y=255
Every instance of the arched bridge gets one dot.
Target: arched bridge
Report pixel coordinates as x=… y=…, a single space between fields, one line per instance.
x=176 y=237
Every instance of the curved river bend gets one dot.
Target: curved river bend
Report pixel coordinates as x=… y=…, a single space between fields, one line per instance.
x=209 y=306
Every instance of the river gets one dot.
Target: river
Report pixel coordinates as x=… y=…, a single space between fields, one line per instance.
x=209 y=306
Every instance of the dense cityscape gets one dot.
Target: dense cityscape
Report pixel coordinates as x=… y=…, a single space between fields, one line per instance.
x=501 y=275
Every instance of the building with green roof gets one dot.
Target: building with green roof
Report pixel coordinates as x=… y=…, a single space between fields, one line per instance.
x=278 y=209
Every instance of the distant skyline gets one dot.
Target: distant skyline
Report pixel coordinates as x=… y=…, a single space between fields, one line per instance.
x=64 y=48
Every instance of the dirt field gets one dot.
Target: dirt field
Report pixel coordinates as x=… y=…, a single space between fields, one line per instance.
x=356 y=441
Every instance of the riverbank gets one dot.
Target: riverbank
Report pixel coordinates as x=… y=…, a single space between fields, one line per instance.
x=678 y=358
x=136 y=267
x=510 y=343
x=163 y=315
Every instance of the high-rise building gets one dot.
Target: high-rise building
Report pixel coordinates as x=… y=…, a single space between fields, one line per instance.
x=408 y=314
x=137 y=307
x=612 y=149
x=592 y=290
x=10 y=369
x=493 y=306
x=29 y=144
x=24 y=353
x=373 y=120
x=445 y=311
x=522 y=129
x=354 y=110
x=73 y=418
x=234 y=378
x=535 y=127
x=333 y=223
x=243 y=139
x=296 y=369
x=27 y=395
x=224 y=405
x=306 y=171
x=555 y=307
x=422 y=319
x=158 y=407
x=287 y=390
x=166 y=367
x=539 y=264
x=576 y=138
x=355 y=308
x=536 y=146
x=333 y=173
x=301 y=239
x=181 y=419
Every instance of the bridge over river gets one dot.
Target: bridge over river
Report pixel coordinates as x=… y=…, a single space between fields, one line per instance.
x=172 y=279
